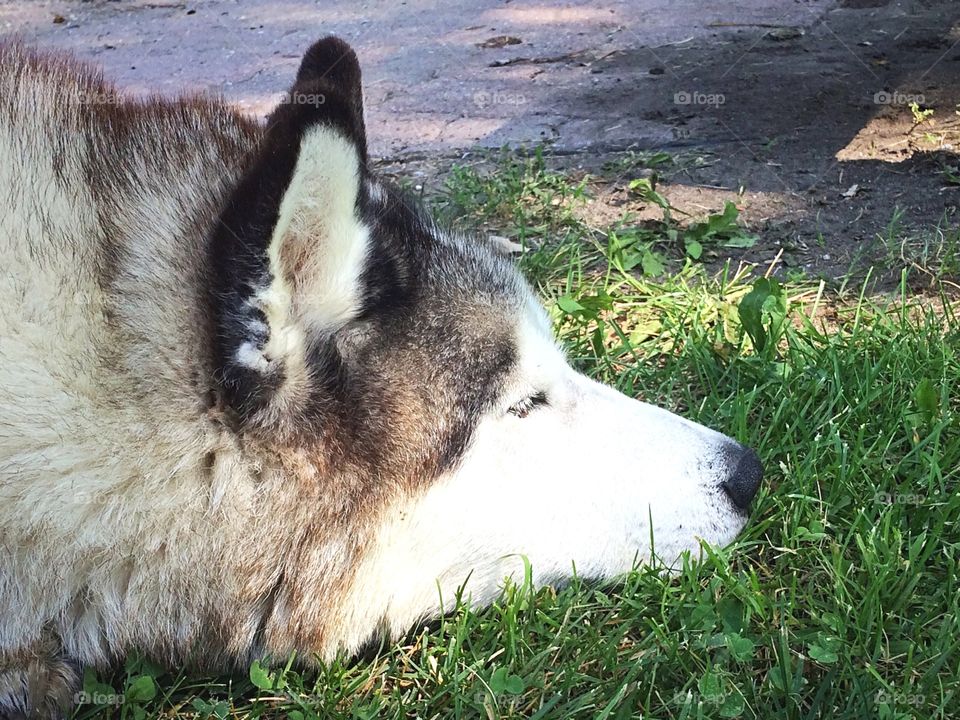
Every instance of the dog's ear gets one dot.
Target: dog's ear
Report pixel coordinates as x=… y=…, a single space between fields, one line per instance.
x=289 y=249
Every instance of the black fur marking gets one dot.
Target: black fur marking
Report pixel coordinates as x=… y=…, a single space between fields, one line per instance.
x=418 y=289
x=332 y=61
x=326 y=93
x=209 y=463
x=485 y=372
x=371 y=648
x=397 y=250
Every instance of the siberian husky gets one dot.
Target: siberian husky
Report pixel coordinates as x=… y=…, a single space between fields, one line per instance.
x=255 y=401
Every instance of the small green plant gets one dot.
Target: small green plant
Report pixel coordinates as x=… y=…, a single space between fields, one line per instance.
x=521 y=194
x=763 y=312
x=933 y=255
x=646 y=189
x=632 y=248
x=718 y=229
x=920 y=114
x=632 y=160
x=950 y=174
x=502 y=682
x=133 y=702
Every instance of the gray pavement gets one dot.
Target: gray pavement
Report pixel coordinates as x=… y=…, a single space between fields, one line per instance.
x=437 y=78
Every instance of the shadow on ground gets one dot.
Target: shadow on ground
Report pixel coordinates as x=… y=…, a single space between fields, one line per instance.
x=800 y=112
x=839 y=140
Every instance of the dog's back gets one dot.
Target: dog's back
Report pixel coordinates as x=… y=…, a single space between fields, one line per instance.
x=103 y=428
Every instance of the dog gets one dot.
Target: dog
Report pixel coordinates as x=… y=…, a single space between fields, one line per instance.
x=253 y=400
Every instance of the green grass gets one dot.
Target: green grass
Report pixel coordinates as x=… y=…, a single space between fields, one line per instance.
x=930 y=255
x=840 y=600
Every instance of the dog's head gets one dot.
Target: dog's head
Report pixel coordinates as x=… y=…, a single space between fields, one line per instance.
x=414 y=374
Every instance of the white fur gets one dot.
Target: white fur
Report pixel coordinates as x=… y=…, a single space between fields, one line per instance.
x=102 y=497
x=572 y=485
x=318 y=210
x=317 y=219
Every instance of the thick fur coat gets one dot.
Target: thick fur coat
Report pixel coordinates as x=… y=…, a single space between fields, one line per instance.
x=253 y=401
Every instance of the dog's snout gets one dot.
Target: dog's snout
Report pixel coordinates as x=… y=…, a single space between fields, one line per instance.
x=744 y=476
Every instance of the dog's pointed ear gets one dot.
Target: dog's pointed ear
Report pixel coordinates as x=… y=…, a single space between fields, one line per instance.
x=289 y=249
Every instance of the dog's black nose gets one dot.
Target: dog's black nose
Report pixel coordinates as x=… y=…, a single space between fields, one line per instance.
x=745 y=475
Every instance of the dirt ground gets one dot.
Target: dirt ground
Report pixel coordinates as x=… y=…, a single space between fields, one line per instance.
x=798 y=110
